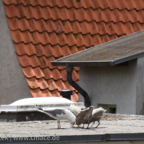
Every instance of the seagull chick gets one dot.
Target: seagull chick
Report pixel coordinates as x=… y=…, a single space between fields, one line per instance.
x=97 y=115
x=74 y=109
x=84 y=116
x=59 y=114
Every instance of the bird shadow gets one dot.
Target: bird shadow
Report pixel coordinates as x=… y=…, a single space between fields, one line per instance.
x=57 y=128
x=89 y=128
x=93 y=128
x=97 y=128
x=76 y=128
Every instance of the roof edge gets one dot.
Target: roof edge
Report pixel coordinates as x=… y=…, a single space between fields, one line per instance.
x=93 y=63
x=125 y=59
x=79 y=138
x=83 y=63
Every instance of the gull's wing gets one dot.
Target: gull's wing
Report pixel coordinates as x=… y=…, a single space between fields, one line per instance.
x=84 y=116
x=54 y=113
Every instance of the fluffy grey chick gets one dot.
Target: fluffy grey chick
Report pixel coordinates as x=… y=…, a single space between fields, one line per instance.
x=74 y=109
x=97 y=115
x=84 y=116
x=59 y=114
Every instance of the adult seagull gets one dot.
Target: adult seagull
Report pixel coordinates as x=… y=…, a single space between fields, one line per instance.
x=59 y=114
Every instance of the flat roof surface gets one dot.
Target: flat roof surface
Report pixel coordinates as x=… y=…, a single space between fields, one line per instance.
x=110 y=124
x=112 y=128
x=110 y=53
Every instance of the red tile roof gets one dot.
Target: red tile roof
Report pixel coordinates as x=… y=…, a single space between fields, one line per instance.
x=44 y=30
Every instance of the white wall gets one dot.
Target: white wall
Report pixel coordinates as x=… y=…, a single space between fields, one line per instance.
x=111 y=85
x=140 y=86
x=13 y=85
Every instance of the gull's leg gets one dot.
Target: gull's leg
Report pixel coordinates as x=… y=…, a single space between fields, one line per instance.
x=93 y=124
x=97 y=124
x=78 y=126
x=88 y=126
x=72 y=126
x=58 y=123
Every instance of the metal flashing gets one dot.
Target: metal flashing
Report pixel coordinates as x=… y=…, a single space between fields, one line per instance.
x=77 y=138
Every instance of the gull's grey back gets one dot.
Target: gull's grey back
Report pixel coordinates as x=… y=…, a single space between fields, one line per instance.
x=56 y=112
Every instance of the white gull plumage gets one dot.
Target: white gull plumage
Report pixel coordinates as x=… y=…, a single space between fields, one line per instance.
x=59 y=114
x=74 y=109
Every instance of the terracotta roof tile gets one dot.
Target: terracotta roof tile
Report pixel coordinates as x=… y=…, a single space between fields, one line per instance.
x=89 y=4
x=52 y=85
x=75 y=76
x=29 y=61
x=96 y=39
x=67 y=27
x=44 y=30
x=25 y=49
x=137 y=26
x=33 y=72
x=52 y=74
x=114 y=4
x=63 y=74
x=76 y=68
x=43 y=93
x=72 y=14
x=37 y=93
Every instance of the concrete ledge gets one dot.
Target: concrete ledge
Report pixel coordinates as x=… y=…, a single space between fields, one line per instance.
x=23 y=116
x=109 y=116
x=104 y=138
x=12 y=113
x=30 y=108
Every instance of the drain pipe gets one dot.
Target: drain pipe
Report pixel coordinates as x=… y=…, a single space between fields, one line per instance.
x=69 y=70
